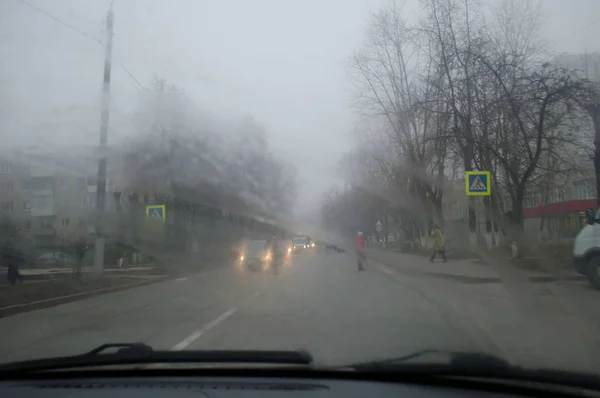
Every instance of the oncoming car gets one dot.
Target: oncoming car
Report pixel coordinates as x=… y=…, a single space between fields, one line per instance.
x=300 y=243
x=255 y=253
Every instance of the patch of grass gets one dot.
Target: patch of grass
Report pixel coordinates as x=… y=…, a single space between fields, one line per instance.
x=41 y=290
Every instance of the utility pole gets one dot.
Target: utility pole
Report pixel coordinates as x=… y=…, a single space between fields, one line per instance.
x=101 y=178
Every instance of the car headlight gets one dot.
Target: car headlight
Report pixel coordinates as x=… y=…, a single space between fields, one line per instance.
x=312 y=244
x=241 y=258
x=289 y=249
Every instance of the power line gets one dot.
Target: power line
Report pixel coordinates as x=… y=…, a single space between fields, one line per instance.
x=81 y=33
x=581 y=29
x=133 y=77
x=60 y=21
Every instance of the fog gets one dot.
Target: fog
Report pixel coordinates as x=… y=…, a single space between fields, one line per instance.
x=279 y=62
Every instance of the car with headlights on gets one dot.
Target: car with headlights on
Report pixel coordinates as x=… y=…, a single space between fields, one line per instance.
x=300 y=243
x=255 y=255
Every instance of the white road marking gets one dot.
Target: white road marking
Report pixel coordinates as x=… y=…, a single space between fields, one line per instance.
x=385 y=269
x=198 y=333
x=181 y=279
x=255 y=295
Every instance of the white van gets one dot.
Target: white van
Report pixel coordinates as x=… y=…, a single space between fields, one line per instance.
x=586 y=250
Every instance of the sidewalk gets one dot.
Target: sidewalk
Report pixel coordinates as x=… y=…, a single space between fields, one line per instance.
x=466 y=271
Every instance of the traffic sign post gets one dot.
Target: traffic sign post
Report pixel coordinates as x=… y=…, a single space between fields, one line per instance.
x=478 y=183
x=155 y=226
x=156 y=213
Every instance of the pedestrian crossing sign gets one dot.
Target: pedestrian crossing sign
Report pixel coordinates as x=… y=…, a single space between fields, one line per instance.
x=478 y=183
x=156 y=213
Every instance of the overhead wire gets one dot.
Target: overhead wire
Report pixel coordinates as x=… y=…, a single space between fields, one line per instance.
x=60 y=21
x=580 y=29
x=67 y=25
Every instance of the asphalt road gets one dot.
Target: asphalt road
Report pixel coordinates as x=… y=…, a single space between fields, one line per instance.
x=318 y=302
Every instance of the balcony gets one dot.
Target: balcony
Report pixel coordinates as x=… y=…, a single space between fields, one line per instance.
x=41 y=192
x=45 y=232
x=42 y=205
x=47 y=170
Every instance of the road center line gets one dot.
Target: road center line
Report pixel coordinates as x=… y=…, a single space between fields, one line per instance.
x=198 y=333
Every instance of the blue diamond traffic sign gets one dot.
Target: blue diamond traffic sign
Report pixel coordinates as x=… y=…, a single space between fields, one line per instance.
x=478 y=183
x=156 y=213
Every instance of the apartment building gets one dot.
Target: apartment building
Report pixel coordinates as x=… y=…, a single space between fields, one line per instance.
x=51 y=192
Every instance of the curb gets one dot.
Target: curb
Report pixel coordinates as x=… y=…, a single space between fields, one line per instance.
x=51 y=302
x=474 y=279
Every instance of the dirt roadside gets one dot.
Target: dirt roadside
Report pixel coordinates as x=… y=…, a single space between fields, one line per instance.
x=47 y=293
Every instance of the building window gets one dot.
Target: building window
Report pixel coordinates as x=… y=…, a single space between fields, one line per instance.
x=81 y=182
x=81 y=223
x=64 y=183
x=6 y=187
x=585 y=189
x=26 y=185
x=92 y=200
x=5 y=168
x=83 y=202
x=43 y=203
x=556 y=195
x=8 y=207
x=26 y=205
x=64 y=222
x=28 y=225
x=46 y=223
x=26 y=168
x=590 y=190
x=91 y=181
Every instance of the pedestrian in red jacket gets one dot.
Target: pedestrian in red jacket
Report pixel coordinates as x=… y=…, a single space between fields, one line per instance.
x=360 y=250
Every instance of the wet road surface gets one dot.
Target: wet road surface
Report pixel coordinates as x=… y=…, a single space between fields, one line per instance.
x=318 y=302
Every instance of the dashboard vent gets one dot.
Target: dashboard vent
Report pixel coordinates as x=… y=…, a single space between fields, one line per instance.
x=199 y=386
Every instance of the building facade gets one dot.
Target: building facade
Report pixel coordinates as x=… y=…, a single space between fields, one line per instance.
x=51 y=194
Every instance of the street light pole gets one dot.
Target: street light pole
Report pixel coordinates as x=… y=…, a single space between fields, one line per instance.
x=101 y=178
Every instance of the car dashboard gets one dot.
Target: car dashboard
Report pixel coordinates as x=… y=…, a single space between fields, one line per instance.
x=235 y=387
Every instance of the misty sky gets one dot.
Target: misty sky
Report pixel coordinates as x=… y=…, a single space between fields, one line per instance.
x=278 y=60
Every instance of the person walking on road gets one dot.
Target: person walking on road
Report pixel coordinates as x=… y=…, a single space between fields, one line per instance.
x=438 y=243
x=360 y=251
x=275 y=249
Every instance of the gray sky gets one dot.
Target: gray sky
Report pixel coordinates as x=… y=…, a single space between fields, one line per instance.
x=279 y=60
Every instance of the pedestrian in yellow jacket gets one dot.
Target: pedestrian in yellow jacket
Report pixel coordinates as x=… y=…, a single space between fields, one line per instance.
x=438 y=243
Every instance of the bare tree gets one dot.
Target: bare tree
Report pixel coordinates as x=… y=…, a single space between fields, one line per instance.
x=387 y=74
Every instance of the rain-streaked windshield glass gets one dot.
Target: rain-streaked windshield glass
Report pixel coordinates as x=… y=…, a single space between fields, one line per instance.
x=423 y=174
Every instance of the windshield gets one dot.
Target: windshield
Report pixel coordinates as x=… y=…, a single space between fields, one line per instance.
x=437 y=157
